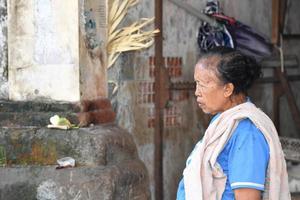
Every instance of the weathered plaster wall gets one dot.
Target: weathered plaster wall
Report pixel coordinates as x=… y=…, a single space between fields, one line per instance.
x=55 y=57
x=43 y=50
x=132 y=69
x=287 y=126
x=92 y=60
x=291 y=46
x=180 y=32
x=3 y=50
x=261 y=21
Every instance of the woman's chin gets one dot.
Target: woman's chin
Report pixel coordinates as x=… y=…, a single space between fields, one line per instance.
x=206 y=112
x=203 y=108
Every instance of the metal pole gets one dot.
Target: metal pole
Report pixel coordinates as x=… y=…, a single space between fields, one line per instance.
x=158 y=135
x=197 y=13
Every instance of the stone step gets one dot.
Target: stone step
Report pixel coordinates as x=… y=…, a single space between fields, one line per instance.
x=39 y=119
x=125 y=181
x=107 y=164
x=92 y=146
x=83 y=113
x=29 y=113
x=33 y=106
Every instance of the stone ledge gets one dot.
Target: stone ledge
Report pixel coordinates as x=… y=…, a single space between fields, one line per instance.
x=107 y=164
x=31 y=113
x=33 y=106
x=125 y=181
x=93 y=146
x=39 y=119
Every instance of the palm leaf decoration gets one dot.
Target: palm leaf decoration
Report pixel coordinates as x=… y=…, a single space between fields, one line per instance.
x=128 y=38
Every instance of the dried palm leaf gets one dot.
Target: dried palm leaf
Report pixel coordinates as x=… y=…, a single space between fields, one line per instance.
x=128 y=38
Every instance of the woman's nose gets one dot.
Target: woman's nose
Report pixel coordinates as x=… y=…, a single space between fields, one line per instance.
x=197 y=92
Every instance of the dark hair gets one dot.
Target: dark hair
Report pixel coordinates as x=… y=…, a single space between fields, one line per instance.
x=234 y=67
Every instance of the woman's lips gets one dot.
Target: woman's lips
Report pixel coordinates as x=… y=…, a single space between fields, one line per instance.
x=199 y=103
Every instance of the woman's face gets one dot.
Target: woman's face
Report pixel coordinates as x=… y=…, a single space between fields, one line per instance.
x=210 y=91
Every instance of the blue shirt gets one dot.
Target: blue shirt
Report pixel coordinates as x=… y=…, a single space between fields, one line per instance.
x=244 y=160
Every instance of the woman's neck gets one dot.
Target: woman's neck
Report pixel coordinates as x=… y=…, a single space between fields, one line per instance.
x=236 y=100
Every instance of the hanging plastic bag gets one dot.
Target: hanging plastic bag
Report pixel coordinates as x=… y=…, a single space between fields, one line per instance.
x=212 y=36
x=231 y=33
x=245 y=39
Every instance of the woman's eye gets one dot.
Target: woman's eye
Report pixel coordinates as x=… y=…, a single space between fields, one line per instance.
x=200 y=85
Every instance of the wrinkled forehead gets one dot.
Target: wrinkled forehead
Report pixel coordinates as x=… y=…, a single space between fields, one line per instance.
x=210 y=62
x=206 y=69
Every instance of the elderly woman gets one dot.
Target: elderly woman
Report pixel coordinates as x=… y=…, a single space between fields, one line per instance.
x=240 y=155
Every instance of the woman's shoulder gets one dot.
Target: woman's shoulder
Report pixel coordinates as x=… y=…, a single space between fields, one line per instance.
x=246 y=130
x=246 y=125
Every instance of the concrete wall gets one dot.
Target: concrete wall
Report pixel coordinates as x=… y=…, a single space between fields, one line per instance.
x=261 y=21
x=3 y=51
x=92 y=60
x=291 y=46
x=180 y=32
x=43 y=50
x=131 y=74
x=52 y=56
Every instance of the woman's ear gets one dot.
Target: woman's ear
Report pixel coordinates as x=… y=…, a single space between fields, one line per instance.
x=228 y=89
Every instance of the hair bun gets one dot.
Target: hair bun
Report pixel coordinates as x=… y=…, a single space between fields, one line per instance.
x=253 y=68
x=236 y=68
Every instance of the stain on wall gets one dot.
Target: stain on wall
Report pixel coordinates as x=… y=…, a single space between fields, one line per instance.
x=92 y=62
x=46 y=34
x=291 y=25
x=43 y=58
x=3 y=52
x=92 y=41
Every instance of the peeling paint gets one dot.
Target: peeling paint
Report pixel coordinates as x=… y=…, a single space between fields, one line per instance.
x=92 y=60
x=3 y=38
x=48 y=47
x=91 y=29
x=43 y=58
x=3 y=52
